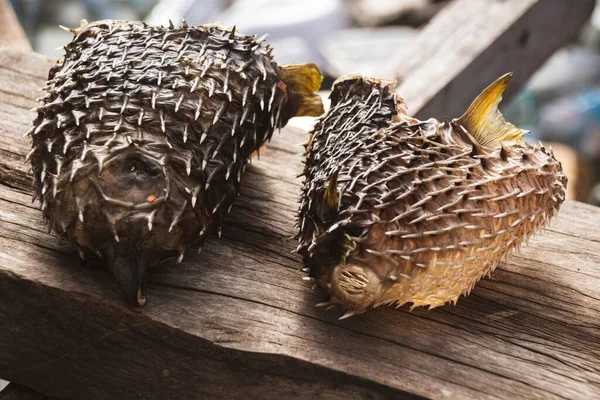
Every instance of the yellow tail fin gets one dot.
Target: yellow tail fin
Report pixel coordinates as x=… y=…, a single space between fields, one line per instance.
x=304 y=80
x=485 y=122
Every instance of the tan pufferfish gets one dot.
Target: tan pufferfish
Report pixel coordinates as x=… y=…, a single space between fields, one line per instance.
x=395 y=210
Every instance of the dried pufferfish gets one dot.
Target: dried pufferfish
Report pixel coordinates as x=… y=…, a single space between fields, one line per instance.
x=395 y=210
x=142 y=137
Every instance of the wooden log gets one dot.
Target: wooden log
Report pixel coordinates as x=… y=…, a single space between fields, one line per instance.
x=239 y=320
x=11 y=32
x=472 y=42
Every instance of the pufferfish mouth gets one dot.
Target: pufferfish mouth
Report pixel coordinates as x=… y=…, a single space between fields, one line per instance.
x=133 y=181
x=355 y=287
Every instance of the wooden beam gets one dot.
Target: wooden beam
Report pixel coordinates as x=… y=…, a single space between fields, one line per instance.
x=11 y=32
x=239 y=320
x=472 y=42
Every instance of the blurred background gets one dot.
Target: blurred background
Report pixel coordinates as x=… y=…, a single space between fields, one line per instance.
x=560 y=103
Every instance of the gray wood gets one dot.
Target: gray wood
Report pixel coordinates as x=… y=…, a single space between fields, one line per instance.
x=239 y=320
x=470 y=43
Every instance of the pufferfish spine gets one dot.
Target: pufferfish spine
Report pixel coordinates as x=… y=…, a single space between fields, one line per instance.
x=395 y=210
x=140 y=142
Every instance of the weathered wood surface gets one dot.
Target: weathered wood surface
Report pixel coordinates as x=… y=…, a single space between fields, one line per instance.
x=469 y=43
x=239 y=320
x=11 y=32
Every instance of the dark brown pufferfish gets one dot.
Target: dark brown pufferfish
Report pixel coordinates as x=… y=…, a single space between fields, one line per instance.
x=395 y=210
x=142 y=137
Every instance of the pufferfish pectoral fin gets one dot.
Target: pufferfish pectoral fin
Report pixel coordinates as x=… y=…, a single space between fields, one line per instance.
x=331 y=198
x=485 y=122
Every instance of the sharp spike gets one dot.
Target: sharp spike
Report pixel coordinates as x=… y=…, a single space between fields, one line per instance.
x=123 y=106
x=212 y=88
x=178 y=104
x=151 y=220
x=226 y=84
x=245 y=96
x=43 y=174
x=261 y=39
x=207 y=65
x=64 y=28
x=273 y=92
x=219 y=112
x=347 y=315
x=185 y=133
x=194 y=84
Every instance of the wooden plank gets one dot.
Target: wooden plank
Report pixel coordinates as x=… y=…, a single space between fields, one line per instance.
x=238 y=319
x=472 y=42
x=11 y=32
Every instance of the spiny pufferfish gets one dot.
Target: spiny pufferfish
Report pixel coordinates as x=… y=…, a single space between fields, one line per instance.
x=395 y=210
x=141 y=139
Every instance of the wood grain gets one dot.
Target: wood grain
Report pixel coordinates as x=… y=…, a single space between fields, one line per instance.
x=470 y=43
x=238 y=319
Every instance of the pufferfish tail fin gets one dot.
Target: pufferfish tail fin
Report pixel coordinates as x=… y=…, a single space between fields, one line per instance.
x=303 y=81
x=485 y=122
